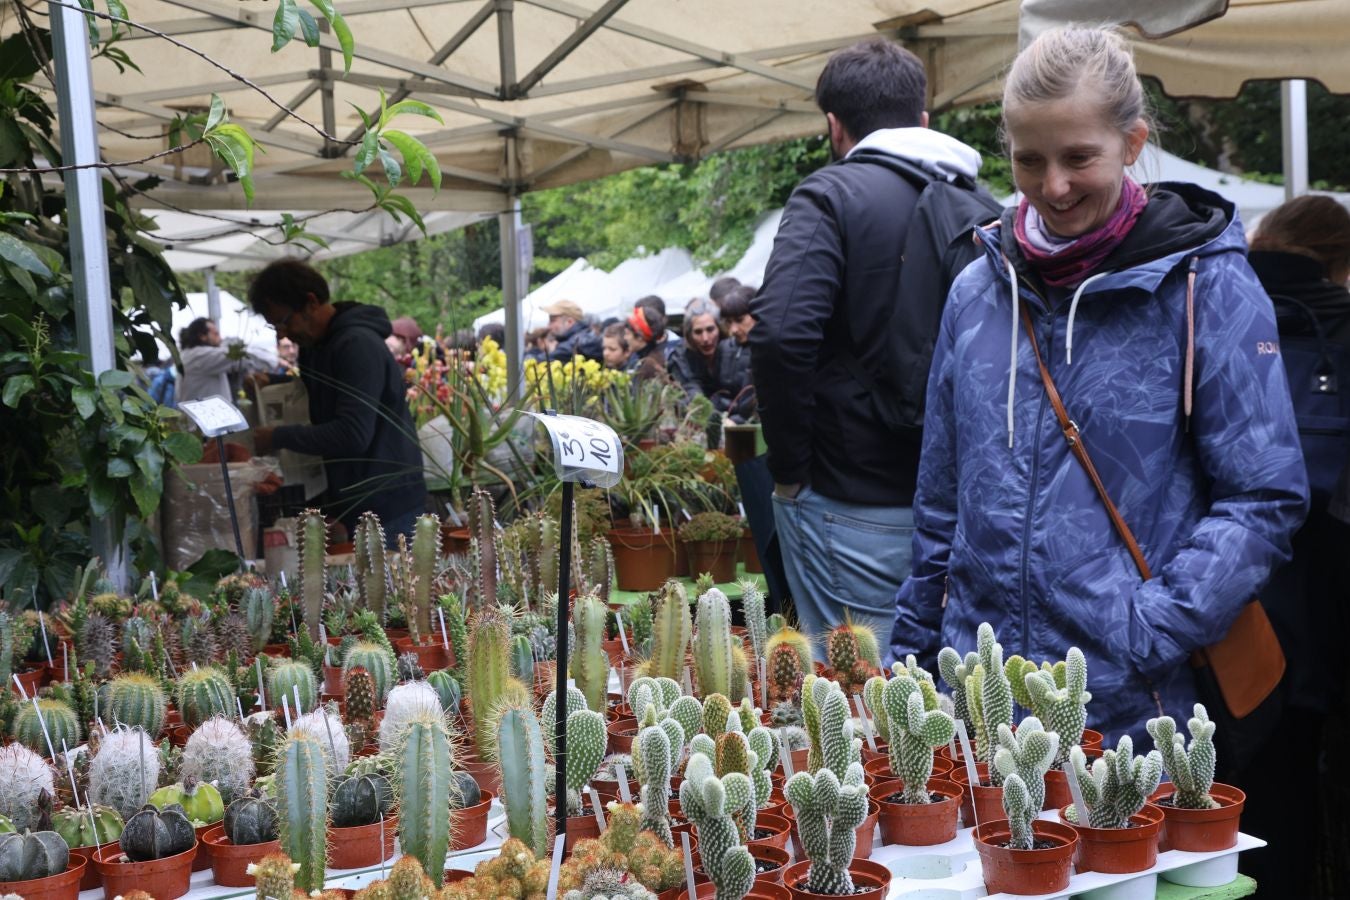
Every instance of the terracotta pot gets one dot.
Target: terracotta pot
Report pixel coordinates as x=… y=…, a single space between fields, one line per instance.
x=914 y=824
x=1118 y=851
x=799 y=759
x=621 y=736
x=31 y=680
x=454 y=875
x=1200 y=830
x=277 y=649
x=880 y=769
x=1026 y=871
x=642 y=561
x=1091 y=742
x=777 y=857
x=65 y=886
x=870 y=755
x=678 y=822
x=760 y=890
x=867 y=883
x=352 y=848
x=468 y=826
x=332 y=681
x=981 y=803
x=92 y=878
x=229 y=862
x=579 y=827
x=1057 y=784
x=454 y=541
x=203 y=859
x=779 y=828
x=163 y=879
x=777 y=803
x=488 y=775
x=395 y=633
x=750 y=554
x=432 y=655
x=717 y=558
x=614 y=650
x=608 y=789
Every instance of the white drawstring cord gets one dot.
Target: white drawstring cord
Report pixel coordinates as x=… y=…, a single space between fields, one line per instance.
x=1012 y=361
x=1073 y=311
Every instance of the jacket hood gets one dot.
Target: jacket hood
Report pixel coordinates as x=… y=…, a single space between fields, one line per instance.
x=1302 y=278
x=352 y=315
x=939 y=154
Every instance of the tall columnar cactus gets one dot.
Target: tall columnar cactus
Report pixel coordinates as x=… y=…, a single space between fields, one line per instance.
x=590 y=664
x=123 y=773
x=259 y=608
x=1062 y=707
x=1119 y=784
x=326 y=728
x=708 y=802
x=915 y=732
x=426 y=551
x=456 y=623
x=138 y=639
x=656 y=753
x=598 y=571
x=24 y=775
x=1026 y=753
x=712 y=644
x=828 y=815
x=312 y=542
x=1191 y=769
x=585 y=750
x=203 y=693
x=672 y=627
x=371 y=578
x=752 y=605
x=378 y=662
x=488 y=673
x=811 y=721
x=995 y=704
x=6 y=647
x=424 y=779
x=301 y=785
x=520 y=750
x=286 y=680
x=954 y=671
x=1021 y=809
x=219 y=753
x=522 y=658
x=61 y=725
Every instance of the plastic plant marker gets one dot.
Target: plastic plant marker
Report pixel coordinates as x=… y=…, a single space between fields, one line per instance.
x=784 y=755
x=327 y=726
x=558 y=843
x=749 y=691
x=445 y=635
x=688 y=682
x=685 y=512
x=971 y=771
x=688 y=864
x=286 y=711
x=65 y=666
x=1076 y=791
x=262 y=697
x=741 y=507
x=656 y=520
x=283 y=580
x=323 y=635
x=763 y=684
x=625 y=795
x=42 y=623
x=596 y=807
x=42 y=723
x=381 y=838
x=299 y=710
x=19 y=684
x=194 y=665
x=866 y=723
x=70 y=771
x=623 y=638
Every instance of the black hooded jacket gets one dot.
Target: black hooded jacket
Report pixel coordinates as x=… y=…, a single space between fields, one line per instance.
x=361 y=424
x=1304 y=279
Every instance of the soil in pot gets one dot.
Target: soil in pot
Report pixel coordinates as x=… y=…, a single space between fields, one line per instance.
x=621 y=735
x=917 y=824
x=770 y=831
x=1200 y=830
x=352 y=848
x=65 y=886
x=769 y=864
x=229 y=862
x=163 y=879
x=1044 y=870
x=1118 y=850
x=867 y=883
x=468 y=826
x=642 y=561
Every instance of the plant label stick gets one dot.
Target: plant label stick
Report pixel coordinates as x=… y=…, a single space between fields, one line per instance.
x=688 y=682
x=969 y=756
x=741 y=506
x=866 y=723
x=286 y=711
x=262 y=698
x=19 y=684
x=323 y=636
x=784 y=754
x=1076 y=791
x=42 y=623
x=445 y=635
x=688 y=864
x=65 y=664
x=558 y=843
x=330 y=737
x=596 y=807
x=42 y=722
x=70 y=770
x=154 y=586
x=299 y=710
x=625 y=795
x=763 y=684
x=238 y=704
x=656 y=520
x=623 y=638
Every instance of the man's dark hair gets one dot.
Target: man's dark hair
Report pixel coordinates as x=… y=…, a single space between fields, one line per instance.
x=873 y=84
x=194 y=335
x=494 y=330
x=721 y=287
x=286 y=283
x=652 y=302
x=737 y=303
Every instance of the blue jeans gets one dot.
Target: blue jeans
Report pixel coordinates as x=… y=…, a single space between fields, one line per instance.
x=843 y=559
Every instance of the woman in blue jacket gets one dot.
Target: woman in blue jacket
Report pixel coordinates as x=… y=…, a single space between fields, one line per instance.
x=1186 y=416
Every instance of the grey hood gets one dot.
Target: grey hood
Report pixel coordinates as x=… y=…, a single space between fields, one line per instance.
x=939 y=154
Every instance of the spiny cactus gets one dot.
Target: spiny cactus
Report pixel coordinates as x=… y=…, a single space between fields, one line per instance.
x=1191 y=769
x=259 y=608
x=1021 y=810
x=124 y=771
x=515 y=866
x=597 y=568
x=378 y=662
x=854 y=654
x=23 y=777
x=410 y=667
x=672 y=627
x=1061 y=706
x=915 y=732
x=1027 y=753
x=423 y=782
x=828 y=815
x=302 y=807
x=312 y=542
x=275 y=876
x=954 y=671
x=218 y=752
x=811 y=721
x=96 y=642
x=590 y=664
x=608 y=884
x=520 y=748
x=483 y=549
x=752 y=606
x=585 y=749
x=407 y=703
x=326 y=728
x=203 y=693
x=657 y=751
x=712 y=644
x=716 y=709
x=522 y=658
x=711 y=803
x=1119 y=784
x=638 y=618
x=457 y=624
x=264 y=733
x=360 y=695
x=134 y=699
x=61 y=725
x=839 y=749
x=287 y=679
x=488 y=673
x=138 y=638
x=426 y=553
x=447 y=688
x=994 y=707
x=368 y=545
x=789 y=661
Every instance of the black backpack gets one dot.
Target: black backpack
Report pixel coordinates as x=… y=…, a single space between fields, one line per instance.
x=938 y=245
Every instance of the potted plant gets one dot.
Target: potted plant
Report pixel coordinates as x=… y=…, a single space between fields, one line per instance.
x=666 y=717
x=713 y=804
x=38 y=866
x=470 y=805
x=1058 y=696
x=711 y=541
x=300 y=780
x=86 y=829
x=914 y=810
x=424 y=779
x=854 y=655
x=416 y=593
x=1120 y=833
x=627 y=847
x=246 y=835
x=1199 y=814
x=360 y=829
x=202 y=804
x=154 y=854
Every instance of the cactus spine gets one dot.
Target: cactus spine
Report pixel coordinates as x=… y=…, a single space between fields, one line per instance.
x=522 y=658
x=259 y=609
x=488 y=667
x=378 y=663
x=426 y=551
x=302 y=807
x=446 y=687
x=124 y=772
x=1191 y=770
x=219 y=753
x=915 y=731
x=1118 y=785
x=585 y=749
x=672 y=626
x=408 y=703
x=1028 y=754
x=574 y=701
x=752 y=604
x=1063 y=709
x=424 y=777
x=312 y=541
x=275 y=876
x=520 y=748
x=712 y=644
x=23 y=777
x=203 y=693
x=994 y=705
x=285 y=679
x=371 y=581
x=590 y=664
x=710 y=802
x=483 y=550
x=61 y=721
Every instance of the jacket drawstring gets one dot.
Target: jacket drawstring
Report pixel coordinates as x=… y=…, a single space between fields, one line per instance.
x=1073 y=312
x=1188 y=396
x=1012 y=360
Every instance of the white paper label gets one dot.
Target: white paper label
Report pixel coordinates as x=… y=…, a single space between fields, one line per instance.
x=866 y=723
x=584 y=449
x=1076 y=791
x=620 y=773
x=215 y=416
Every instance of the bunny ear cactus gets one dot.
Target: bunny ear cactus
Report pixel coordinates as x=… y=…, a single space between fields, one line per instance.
x=839 y=749
x=1191 y=770
x=716 y=710
x=811 y=718
x=1063 y=709
x=575 y=701
x=708 y=802
x=312 y=541
x=1118 y=785
x=688 y=712
x=590 y=664
x=656 y=753
x=915 y=732
x=585 y=749
x=1021 y=810
x=1027 y=753
x=672 y=627
x=371 y=581
x=828 y=815
x=989 y=683
x=873 y=694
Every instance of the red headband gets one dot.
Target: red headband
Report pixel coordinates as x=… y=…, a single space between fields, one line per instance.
x=639 y=322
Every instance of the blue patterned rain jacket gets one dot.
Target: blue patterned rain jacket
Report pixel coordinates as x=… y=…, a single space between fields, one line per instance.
x=1010 y=530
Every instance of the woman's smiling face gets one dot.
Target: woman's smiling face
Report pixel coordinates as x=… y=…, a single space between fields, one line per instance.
x=1069 y=160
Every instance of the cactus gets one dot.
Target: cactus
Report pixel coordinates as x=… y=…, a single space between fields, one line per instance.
x=259 y=608
x=828 y=815
x=32 y=855
x=275 y=876
x=157 y=833
x=446 y=687
x=710 y=803
x=370 y=563
x=23 y=777
x=784 y=665
x=1191 y=769
x=1062 y=707
x=1028 y=754
x=483 y=550
x=1021 y=809
x=839 y=749
x=200 y=801
x=456 y=623
x=954 y=671
x=786 y=715
x=514 y=866
x=752 y=605
x=285 y=679
x=424 y=776
x=638 y=619
x=626 y=847
x=250 y=819
x=134 y=699
x=712 y=644
x=360 y=694
x=410 y=667
x=994 y=706
x=264 y=733
x=312 y=542
x=1118 y=785
x=585 y=749
x=219 y=752
x=573 y=701
x=407 y=703
x=138 y=639
x=672 y=627
x=361 y=800
x=426 y=550
x=522 y=658
x=326 y=728
x=915 y=732
x=854 y=654
x=608 y=884
x=488 y=668
x=302 y=807
x=716 y=709
x=203 y=693
x=874 y=699
x=590 y=664
x=83 y=827
x=96 y=642
x=811 y=720
x=60 y=720
x=376 y=660
x=124 y=771
x=524 y=794
x=658 y=748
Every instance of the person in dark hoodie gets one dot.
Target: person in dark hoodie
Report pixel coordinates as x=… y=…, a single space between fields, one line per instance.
x=844 y=480
x=358 y=406
x=1157 y=336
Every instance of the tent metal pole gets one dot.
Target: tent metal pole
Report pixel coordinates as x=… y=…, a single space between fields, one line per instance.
x=1294 y=135
x=512 y=293
x=84 y=211
x=212 y=296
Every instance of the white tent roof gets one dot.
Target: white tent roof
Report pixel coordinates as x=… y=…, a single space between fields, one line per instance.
x=237 y=322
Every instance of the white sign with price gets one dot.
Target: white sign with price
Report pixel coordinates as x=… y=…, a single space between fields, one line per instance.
x=215 y=416
x=584 y=450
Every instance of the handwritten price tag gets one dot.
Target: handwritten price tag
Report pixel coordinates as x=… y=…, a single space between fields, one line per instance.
x=584 y=449
x=214 y=416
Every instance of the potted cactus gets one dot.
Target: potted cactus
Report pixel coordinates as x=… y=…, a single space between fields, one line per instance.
x=24 y=776
x=915 y=810
x=38 y=866
x=247 y=834
x=300 y=780
x=854 y=656
x=524 y=794
x=628 y=847
x=154 y=854
x=422 y=639
x=1199 y=814
x=712 y=804
x=1119 y=832
x=61 y=723
x=423 y=783
x=589 y=664
x=712 y=539
x=85 y=830
x=720 y=664
x=361 y=828
x=1058 y=696
x=203 y=806
x=672 y=628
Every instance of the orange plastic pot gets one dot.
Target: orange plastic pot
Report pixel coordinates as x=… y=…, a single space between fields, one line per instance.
x=760 y=890
x=487 y=774
x=454 y=541
x=642 y=561
x=775 y=857
x=332 y=680
x=779 y=829
x=1008 y=871
x=1200 y=830
x=717 y=558
x=432 y=655
x=91 y=878
x=579 y=828
x=468 y=826
x=867 y=882
x=31 y=680
x=880 y=769
x=230 y=862
x=981 y=802
x=917 y=824
x=163 y=879
x=864 y=834
x=203 y=860
x=65 y=886
x=1118 y=851
x=352 y=848
x=621 y=735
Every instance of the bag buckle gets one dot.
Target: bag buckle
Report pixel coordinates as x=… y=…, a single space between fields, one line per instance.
x=1071 y=433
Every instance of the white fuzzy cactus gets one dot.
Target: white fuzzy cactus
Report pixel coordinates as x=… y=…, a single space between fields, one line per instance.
x=125 y=771
x=326 y=728
x=708 y=801
x=1118 y=785
x=915 y=731
x=1063 y=709
x=23 y=777
x=1027 y=753
x=406 y=703
x=219 y=753
x=1191 y=769
x=1021 y=812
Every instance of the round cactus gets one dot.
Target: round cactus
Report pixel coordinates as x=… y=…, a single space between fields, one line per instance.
x=23 y=777
x=218 y=752
x=199 y=800
x=286 y=679
x=124 y=771
x=274 y=875
x=360 y=694
x=24 y=857
x=157 y=834
x=360 y=800
x=376 y=660
x=448 y=688
x=61 y=721
x=406 y=703
x=85 y=828
x=251 y=819
x=134 y=699
x=203 y=693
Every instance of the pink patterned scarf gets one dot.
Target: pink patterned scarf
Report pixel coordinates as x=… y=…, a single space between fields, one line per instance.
x=1067 y=263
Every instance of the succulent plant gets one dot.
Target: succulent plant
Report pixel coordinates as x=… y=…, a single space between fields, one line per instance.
x=712 y=644
x=59 y=719
x=487 y=674
x=251 y=819
x=447 y=687
x=218 y=752
x=1028 y=753
x=360 y=800
x=407 y=702
x=134 y=699
x=524 y=793
x=202 y=693
x=955 y=670
x=989 y=695
x=514 y=865
x=259 y=607
x=287 y=679
x=302 y=807
x=589 y=662
x=426 y=550
x=369 y=544
x=274 y=875
x=124 y=771
x=711 y=804
x=1191 y=769
x=1117 y=786
x=1059 y=697
x=585 y=748
x=312 y=542
x=829 y=810
x=1021 y=810
x=199 y=800
x=326 y=728
x=854 y=654
x=96 y=642
x=672 y=628
x=157 y=834
x=424 y=779
x=409 y=667
x=625 y=846
x=25 y=857
x=376 y=660
x=85 y=827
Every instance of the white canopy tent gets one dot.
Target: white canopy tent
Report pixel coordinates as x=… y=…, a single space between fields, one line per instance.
x=237 y=323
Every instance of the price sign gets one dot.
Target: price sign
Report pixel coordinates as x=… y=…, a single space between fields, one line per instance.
x=584 y=450
x=215 y=416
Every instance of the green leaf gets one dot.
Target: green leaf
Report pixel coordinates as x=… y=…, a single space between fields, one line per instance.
x=284 y=24
x=102 y=493
x=392 y=170
x=150 y=461
x=145 y=493
x=213 y=565
x=84 y=401
x=146 y=286
x=370 y=146
x=217 y=114
x=118 y=8
x=120 y=467
x=17 y=327
x=22 y=278
x=115 y=379
x=309 y=28
x=416 y=157
x=345 y=40
x=16 y=387
x=20 y=254
x=412 y=107
x=235 y=147
x=184 y=447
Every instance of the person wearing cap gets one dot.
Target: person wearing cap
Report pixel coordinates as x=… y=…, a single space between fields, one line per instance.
x=575 y=337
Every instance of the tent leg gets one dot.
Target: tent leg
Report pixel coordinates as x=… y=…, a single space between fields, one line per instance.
x=1294 y=134
x=84 y=210
x=212 y=297
x=512 y=293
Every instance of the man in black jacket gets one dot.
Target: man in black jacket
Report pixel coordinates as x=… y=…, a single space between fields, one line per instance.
x=358 y=402
x=574 y=336
x=828 y=311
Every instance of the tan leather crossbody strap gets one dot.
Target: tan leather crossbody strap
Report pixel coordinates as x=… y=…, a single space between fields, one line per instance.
x=1079 y=450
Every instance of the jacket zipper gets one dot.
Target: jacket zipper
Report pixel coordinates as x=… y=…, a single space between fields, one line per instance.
x=1031 y=496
